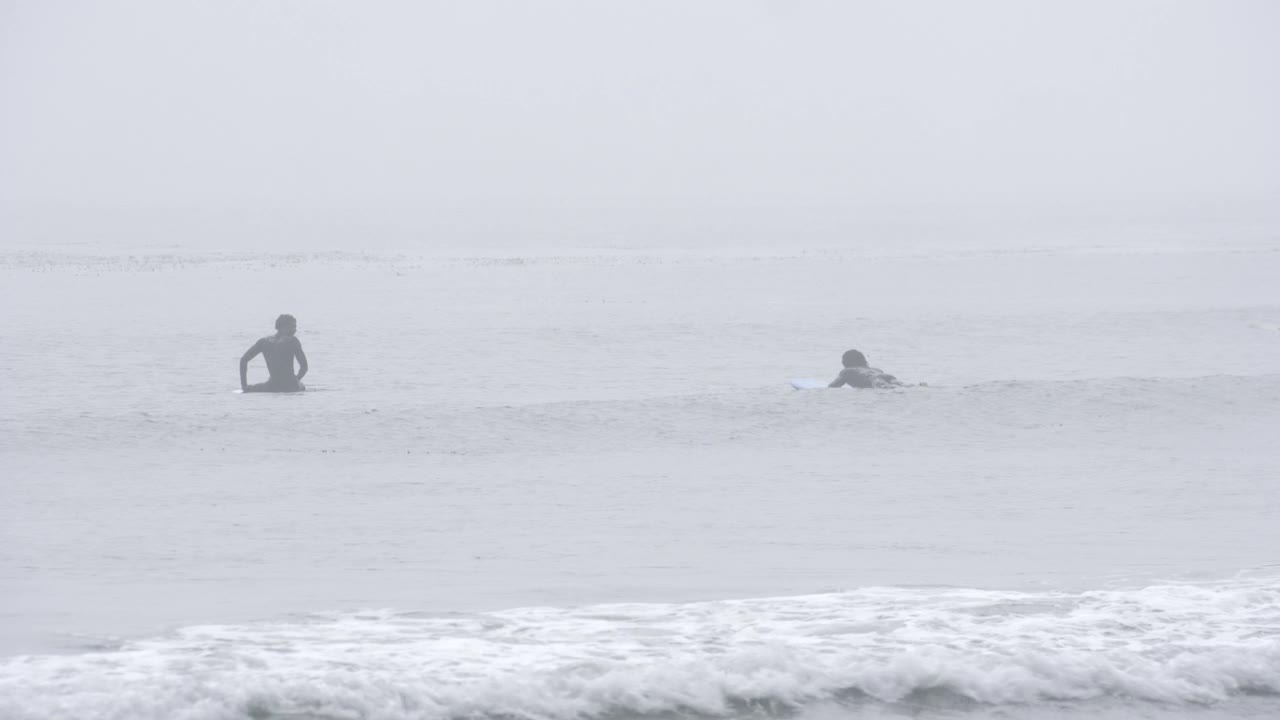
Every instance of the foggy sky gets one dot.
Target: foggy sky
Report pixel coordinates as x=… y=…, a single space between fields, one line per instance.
x=403 y=111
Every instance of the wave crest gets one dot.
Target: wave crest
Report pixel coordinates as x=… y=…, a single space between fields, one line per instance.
x=1200 y=643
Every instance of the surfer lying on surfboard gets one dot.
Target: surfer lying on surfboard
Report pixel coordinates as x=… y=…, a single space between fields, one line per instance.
x=279 y=350
x=857 y=374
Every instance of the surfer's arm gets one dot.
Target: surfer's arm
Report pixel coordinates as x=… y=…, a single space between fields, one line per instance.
x=302 y=358
x=838 y=382
x=249 y=354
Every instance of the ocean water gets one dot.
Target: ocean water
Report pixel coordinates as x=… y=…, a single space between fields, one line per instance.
x=577 y=483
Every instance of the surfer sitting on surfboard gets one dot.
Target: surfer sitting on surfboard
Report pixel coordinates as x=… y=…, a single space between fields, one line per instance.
x=857 y=374
x=279 y=350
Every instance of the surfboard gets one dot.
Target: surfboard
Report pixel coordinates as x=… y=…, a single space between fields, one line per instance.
x=296 y=392
x=811 y=384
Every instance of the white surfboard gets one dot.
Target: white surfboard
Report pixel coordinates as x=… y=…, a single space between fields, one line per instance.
x=811 y=384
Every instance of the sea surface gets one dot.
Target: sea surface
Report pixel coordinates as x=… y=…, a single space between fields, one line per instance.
x=575 y=483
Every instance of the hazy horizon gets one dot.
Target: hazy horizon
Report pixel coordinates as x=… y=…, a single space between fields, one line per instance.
x=417 y=117
x=573 y=280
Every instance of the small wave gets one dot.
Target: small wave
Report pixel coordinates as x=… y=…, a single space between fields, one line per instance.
x=1180 y=644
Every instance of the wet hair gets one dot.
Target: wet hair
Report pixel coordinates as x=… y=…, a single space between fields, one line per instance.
x=286 y=319
x=853 y=358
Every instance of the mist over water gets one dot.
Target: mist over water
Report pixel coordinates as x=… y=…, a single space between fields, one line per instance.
x=281 y=125
x=557 y=269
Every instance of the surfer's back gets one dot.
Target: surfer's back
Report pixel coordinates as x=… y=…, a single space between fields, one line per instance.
x=866 y=377
x=856 y=373
x=279 y=351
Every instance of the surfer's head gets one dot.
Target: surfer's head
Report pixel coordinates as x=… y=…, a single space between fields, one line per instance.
x=286 y=324
x=853 y=358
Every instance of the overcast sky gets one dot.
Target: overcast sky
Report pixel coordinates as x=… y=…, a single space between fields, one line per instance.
x=411 y=110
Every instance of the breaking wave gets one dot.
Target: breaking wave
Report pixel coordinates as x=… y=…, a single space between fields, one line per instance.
x=1180 y=644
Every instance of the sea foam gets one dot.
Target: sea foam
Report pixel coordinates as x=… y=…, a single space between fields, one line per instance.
x=1170 y=644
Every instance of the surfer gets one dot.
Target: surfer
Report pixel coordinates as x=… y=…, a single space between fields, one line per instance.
x=857 y=374
x=279 y=350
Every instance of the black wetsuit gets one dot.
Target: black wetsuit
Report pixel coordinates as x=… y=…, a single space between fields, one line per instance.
x=865 y=377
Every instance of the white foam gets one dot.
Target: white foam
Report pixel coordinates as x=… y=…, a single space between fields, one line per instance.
x=1201 y=643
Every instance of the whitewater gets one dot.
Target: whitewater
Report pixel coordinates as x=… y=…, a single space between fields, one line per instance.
x=575 y=482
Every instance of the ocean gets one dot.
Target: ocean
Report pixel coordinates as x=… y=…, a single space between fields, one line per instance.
x=575 y=483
